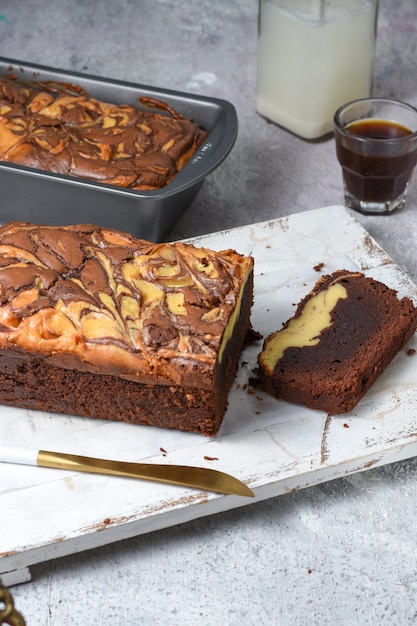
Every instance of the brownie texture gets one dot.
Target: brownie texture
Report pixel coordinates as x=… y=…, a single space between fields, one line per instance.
x=94 y=322
x=366 y=326
x=59 y=128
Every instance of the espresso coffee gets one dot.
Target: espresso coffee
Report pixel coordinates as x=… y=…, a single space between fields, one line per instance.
x=378 y=129
x=379 y=175
x=376 y=145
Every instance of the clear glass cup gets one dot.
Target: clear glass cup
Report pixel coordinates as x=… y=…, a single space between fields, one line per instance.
x=376 y=146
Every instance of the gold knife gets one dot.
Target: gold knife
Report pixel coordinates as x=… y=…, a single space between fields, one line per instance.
x=184 y=475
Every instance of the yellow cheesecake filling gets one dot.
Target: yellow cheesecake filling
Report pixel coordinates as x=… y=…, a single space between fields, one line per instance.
x=306 y=329
x=228 y=331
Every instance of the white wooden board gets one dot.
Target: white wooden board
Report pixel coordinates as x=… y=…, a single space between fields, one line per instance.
x=273 y=446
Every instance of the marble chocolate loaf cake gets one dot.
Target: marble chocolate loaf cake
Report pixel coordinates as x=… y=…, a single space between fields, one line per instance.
x=60 y=129
x=342 y=336
x=94 y=322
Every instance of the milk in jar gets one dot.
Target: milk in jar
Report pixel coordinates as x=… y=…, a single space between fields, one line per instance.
x=313 y=56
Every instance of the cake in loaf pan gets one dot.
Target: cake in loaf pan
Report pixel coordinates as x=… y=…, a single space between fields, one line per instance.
x=61 y=129
x=96 y=323
x=342 y=336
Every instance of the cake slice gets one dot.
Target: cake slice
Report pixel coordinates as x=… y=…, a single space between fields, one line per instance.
x=342 y=336
x=94 y=322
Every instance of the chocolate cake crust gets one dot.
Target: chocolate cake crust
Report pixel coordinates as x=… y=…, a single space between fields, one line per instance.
x=368 y=326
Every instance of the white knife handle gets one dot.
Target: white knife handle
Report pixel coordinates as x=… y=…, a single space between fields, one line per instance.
x=16 y=454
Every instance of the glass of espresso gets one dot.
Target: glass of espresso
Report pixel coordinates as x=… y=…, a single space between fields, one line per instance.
x=376 y=146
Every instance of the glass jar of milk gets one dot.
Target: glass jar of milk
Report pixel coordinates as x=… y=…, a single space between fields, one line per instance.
x=313 y=56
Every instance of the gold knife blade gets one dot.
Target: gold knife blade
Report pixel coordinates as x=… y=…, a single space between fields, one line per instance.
x=184 y=475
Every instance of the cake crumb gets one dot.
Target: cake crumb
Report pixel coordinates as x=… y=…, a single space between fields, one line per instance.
x=345 y=425
x=210 y=458
x=318 y=267
x=411 y=352
x=164 y=452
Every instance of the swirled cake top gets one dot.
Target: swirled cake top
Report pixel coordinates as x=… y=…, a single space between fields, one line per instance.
x=100 y=300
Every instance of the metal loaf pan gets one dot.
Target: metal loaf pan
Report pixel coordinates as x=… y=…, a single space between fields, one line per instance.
x=41 y=197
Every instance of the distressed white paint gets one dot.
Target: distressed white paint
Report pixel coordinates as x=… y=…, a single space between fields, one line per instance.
x=273 y=446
